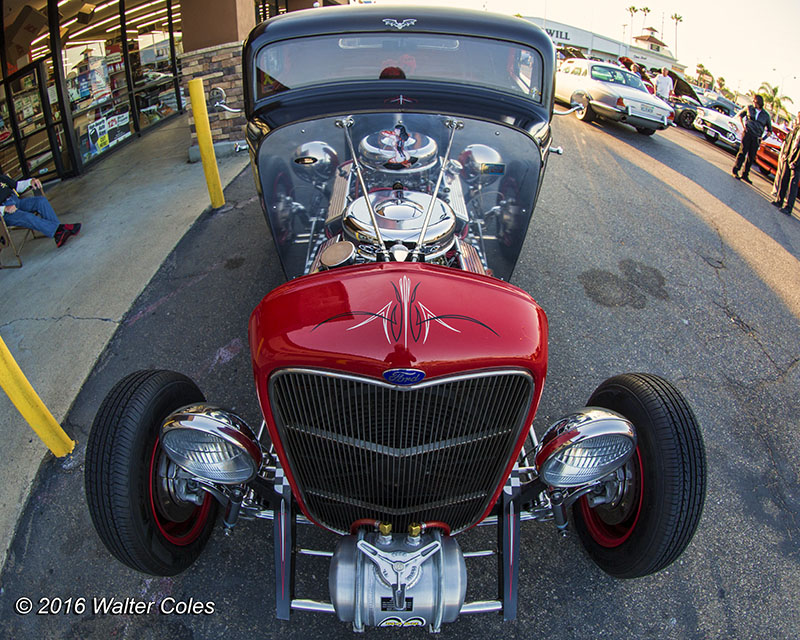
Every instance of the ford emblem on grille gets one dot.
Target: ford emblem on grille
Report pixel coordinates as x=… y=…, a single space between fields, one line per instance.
x=403 y=376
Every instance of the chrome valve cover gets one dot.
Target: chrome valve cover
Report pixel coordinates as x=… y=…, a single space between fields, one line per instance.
x=397 y=581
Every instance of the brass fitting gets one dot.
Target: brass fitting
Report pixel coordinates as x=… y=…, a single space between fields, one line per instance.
x=414 y=529
x=385 y=528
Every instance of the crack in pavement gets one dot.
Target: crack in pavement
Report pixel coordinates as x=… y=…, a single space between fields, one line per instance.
x=57 y=318
x=718 y=266
x=781 y=483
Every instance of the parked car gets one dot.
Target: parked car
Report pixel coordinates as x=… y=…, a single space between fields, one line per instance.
x=397 y=370
x=639 y=70
x=685 y=100
x=769 y=149
x=718 y=122
x=685 y=110
x=718 y=102
x=608 y=91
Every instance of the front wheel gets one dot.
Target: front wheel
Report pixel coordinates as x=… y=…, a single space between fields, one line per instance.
x=144 y=516
x=686 y=119
x=661 y=488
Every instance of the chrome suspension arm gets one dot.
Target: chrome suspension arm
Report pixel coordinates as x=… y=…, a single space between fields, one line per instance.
x=453 y=125
x=346 y=123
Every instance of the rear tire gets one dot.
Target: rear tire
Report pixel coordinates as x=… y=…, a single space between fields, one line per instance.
x=586 y=115
x=656 y=518
x=645 y=131
x=138 y=521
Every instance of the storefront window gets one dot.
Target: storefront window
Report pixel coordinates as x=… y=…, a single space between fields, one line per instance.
x=107 y=76
x=94 y=68
x=31 y=122
x=150 y=55
x=9 y=162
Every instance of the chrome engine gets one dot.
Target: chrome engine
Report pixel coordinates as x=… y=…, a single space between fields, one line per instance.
x=399 y=170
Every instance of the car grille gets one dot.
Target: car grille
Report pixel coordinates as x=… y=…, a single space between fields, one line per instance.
x=723 y=131
x=360 y=448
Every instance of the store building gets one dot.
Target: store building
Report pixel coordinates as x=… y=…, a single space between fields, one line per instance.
x=80 y=79
x=648 y=51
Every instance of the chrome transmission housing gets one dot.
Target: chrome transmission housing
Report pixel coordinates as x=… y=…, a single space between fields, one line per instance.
x=397 y=580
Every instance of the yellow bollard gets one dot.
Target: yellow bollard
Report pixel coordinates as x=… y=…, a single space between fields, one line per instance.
x=25 y=399
x=198 y=97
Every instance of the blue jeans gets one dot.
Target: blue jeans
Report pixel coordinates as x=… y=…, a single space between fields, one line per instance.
x=32 y=213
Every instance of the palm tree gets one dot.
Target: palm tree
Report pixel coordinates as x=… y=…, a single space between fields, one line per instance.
x=631 y=10
x=704 y=77
x=645 y=11
x=677 y=19
x=772 y=98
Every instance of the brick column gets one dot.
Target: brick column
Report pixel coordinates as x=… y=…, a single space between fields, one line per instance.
x=213 y=33
x=218 y=66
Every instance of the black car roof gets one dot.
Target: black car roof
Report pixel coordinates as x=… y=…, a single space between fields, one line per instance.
x=361 y=19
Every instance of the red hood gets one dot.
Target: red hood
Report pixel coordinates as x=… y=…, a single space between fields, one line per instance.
x=370 y=318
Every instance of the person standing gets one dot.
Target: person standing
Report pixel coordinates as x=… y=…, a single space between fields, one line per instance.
x=786 y=177
x=34 y=212
x=664 y=85
x=756 y=123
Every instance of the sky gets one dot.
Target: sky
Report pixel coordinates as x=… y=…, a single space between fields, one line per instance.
x=746 y=43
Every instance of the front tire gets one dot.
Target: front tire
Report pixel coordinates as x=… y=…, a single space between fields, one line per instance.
x=138 y=518
x=663 y=490
x=686 y=119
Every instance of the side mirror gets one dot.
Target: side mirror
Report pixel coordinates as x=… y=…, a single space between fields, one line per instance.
x=572 y=109
x=217 y=98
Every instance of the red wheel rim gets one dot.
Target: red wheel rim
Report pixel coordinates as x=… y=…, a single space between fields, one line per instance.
x=177 y=533
x=613 y=535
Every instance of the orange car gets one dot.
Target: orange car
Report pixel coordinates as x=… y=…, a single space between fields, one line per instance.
x=767 y=154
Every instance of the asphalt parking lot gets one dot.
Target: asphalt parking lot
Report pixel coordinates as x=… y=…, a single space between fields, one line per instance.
x=647 y=256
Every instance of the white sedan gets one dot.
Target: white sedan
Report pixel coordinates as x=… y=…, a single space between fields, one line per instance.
x=611 y=92
x=720 y=127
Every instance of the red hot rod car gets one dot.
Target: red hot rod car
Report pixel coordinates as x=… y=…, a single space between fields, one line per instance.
x=398 y=155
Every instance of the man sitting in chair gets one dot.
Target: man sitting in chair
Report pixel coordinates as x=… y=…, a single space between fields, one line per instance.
x=33 y=212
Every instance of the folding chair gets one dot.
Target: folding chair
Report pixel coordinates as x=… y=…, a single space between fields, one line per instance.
x=7 y=244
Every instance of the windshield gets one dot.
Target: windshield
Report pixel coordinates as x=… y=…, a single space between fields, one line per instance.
x=617 y=76
x=312 y=193
x=304 y=62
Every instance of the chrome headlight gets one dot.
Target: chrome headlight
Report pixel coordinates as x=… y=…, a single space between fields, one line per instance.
x=584 y=447
x=212 y=444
